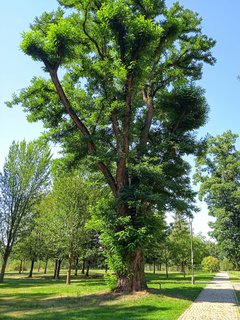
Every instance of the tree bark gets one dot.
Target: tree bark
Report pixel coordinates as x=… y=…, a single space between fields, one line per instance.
x=39 y=266
x=88 y=267
x=135 y=279
x=166 y=264
x=20 y=267
x=183 y=268
x=76 y=267
x=68 y=280
x=59 y=267
x=83 y=266
x=4 y=263
x=45 y=267
x=55 y=269
x=31 y=268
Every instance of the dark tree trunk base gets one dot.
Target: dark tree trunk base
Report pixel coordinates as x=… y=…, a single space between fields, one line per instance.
x=136 y=280
x=31 y=269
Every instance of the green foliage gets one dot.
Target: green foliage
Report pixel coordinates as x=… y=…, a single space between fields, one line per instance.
x=226 y=265
x=23 y=183
x=179 y=239
x=111 y=280
x=63 y=215
x=218 y=172
x=210 y=264
x=127 y=99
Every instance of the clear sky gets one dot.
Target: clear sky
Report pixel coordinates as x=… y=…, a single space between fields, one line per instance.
x=220 y=21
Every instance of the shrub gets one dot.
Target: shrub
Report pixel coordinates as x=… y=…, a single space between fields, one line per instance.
x=226 y=265
x=210 y=264
x=111 y=280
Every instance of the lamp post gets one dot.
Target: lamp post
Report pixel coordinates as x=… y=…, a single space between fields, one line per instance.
x=191 y=241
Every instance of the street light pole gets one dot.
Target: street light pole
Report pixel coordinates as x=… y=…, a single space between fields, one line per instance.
x=191 y=240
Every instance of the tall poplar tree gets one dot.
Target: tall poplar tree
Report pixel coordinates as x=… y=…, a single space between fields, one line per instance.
x=218 y=172
x=120 y=90
x=24 y=179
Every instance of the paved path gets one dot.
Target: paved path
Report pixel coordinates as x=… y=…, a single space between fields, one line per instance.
x=216 y=302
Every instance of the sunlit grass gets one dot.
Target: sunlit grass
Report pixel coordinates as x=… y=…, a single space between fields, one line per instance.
x=89 y=298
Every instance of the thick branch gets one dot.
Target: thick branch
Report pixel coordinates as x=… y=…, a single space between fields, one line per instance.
x=83 y=129
x=117 y=131
x=128 y=113
x=123 y=137
x=148 y=120
x=91 y=38
x=121 y=173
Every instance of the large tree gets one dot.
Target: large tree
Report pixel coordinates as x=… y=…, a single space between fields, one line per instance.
x=119 y=91
x=23 y=181
x=218 y=172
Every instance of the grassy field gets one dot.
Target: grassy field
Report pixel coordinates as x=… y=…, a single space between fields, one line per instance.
x=88 y=299
x=235 y=277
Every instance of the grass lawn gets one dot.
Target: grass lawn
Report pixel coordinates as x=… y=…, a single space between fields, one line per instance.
x=89 y=299
x=235 y=277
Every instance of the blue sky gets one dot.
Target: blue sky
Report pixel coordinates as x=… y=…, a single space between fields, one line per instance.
x=220 y=21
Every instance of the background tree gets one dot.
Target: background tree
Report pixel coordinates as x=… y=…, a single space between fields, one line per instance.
x=31 y=246
x=23 y=181
x=46 y=223
x=218 y=172
x=179 y=238
x=201 y=249
x=120 y=102
x=64 y=220
x=211 y=264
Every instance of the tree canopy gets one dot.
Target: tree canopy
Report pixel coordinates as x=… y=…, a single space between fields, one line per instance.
x=218 y=172
x=23 y=181
x=121 y=90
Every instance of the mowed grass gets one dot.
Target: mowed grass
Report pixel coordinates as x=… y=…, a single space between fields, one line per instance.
x=235 y=277
x=89 y=298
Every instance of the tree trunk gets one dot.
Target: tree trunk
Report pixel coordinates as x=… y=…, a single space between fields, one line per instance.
x=23 y=266
x=45 y=267
x=4 y=263
x=183 y=269
x=39 y=266
x=88 y=267
x=68 y=280
x=135 y=279
x=59 y=267
x=76 y=267
x=20 y=267
x=31 y=269
x=83 y=266
x=154 y=267
x=166 y=266
x=55 y=269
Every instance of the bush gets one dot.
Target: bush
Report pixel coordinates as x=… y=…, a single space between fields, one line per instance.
x=226 y=265
x=210 y=264
x=15 y=264
x=111 y=280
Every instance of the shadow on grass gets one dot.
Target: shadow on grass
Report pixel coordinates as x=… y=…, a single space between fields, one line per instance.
x=183 y=293
x=178 y=277
x=103 y=313
x=46 y=281
x=53 y=305
x=95 y=306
